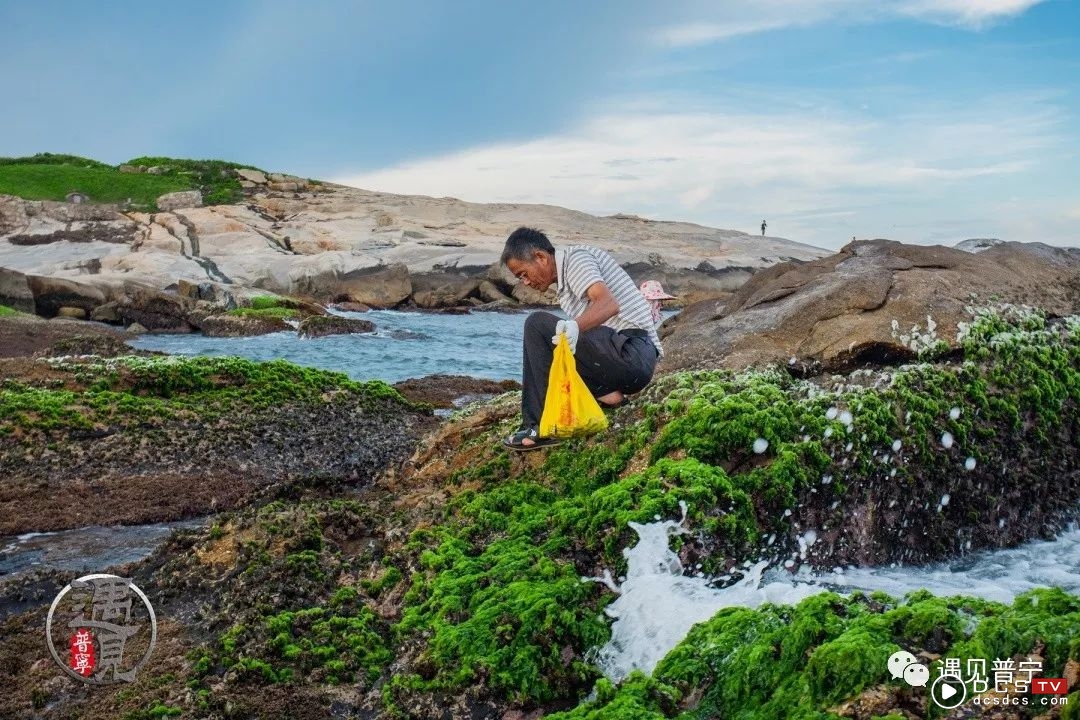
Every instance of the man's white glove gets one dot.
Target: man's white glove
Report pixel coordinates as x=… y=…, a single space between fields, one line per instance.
x=571 y=329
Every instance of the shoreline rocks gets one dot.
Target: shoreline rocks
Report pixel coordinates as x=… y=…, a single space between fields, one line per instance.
x=332 y=243
x=872 y=301
x=183 y=425
x=322 y=325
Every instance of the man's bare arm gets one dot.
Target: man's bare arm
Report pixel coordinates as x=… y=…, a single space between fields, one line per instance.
x=602 y=306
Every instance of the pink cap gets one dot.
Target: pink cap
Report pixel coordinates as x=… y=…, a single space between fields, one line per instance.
x=653 y=290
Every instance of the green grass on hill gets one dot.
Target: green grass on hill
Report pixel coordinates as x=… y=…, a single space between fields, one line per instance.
x=213 y=177
x=101 y=184
x=47 y=176
x=52 y=159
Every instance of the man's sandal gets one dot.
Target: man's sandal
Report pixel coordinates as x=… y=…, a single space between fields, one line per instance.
x=516 y=442
x=611 y=406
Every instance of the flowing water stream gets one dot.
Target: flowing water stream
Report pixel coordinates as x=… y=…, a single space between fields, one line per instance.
x=84 y=550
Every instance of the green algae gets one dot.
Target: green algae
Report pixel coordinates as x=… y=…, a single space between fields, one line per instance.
x=506 y=609
x=514 y=545
x=273 y=313
x=638 y=697
x=803 y=661
x=273 y=307
x=139 y=390
x=291 y=620
x=339 y=641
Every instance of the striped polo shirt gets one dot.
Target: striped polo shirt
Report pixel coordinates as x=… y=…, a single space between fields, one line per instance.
x=579 y=266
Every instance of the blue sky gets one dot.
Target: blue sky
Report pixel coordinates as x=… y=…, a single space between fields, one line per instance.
x=926 y=121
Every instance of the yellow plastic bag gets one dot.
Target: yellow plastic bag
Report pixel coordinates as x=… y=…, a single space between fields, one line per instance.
x=570 y=410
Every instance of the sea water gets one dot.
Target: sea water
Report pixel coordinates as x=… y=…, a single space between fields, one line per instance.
x=658 y=603
x=404 y=345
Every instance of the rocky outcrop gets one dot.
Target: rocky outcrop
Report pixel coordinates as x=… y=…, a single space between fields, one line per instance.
x=170 y=202
x=30 y=223
x=25 y=335
x=875 y=300
x=15 y=291
x=975 y=245
x=52 y=293
x=448 y=391
x=322 y=325
x=192 y=436
x=436 y=290
x=691 y=285
x=378 y=287
x=241 y=325
x=350 y=307
x=330 y=242
x=153 y=309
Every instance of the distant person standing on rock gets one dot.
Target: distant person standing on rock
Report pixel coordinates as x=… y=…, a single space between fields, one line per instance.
x=763 y=223
x=611 y=331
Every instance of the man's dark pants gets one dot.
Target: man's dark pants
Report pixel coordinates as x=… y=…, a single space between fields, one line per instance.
x=606 y=361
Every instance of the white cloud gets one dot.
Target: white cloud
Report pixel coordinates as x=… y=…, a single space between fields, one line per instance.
x=701 y=33
x=734 y=19
x=721 y=169
x=973 y=14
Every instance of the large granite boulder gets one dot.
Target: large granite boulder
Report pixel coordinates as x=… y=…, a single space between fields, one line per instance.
x=490 y=292
x=225 y=325
x=319 y=276
x=874 y=300
x=13 y=217
x=179 y=200
x=253 y=176
x=382 y=286
x=322 y=325
x=52 y=293
x=531 y=296
x=15 y=291
x=153 y=309
x=437 y=290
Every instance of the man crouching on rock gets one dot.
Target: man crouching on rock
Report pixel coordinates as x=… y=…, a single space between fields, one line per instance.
x=612 y=336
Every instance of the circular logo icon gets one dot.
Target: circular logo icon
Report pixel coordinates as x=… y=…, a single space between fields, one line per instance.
x=948 y=692
x=101 y=629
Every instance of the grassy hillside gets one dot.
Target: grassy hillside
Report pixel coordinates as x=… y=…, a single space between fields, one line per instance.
x=51 y=177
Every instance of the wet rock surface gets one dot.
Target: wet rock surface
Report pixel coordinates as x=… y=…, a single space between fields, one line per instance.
x=23 y=335
x=323 y=325
x=241 y=326
x=182 y=439
x=448 y=391
x=840 y=310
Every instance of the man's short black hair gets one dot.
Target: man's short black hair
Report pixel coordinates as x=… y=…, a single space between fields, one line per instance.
x=523 y=242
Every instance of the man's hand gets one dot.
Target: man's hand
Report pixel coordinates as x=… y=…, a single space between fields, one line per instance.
x=569 y=327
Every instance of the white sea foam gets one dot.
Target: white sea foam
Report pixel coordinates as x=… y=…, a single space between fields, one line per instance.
x=657 y=604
